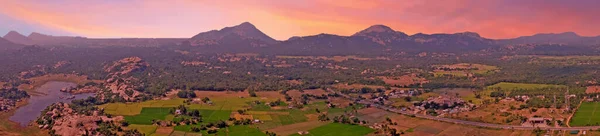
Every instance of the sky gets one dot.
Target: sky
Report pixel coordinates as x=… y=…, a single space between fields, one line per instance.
x=281 y=19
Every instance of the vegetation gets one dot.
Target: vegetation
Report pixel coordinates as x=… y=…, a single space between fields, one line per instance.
x=340 y=129
x=587 y=115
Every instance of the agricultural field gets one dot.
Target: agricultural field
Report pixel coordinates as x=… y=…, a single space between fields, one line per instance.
x=588 y=114
x=467 y=94
x=146 y=129
x=405 y=80
x=463 y=70
x=337 y=129
x=506 y=86
x=421 y=127
x=220 y=101
x=225 y=105
x=147 y=115
x=508 y=112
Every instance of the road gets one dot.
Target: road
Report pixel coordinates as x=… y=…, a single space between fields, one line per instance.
x=465 y=122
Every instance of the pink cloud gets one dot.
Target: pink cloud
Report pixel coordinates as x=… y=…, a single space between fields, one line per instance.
x=283 y=19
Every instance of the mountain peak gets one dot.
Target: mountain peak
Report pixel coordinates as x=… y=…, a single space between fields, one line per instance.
x=244 y=30
x=470 y=34
x=376 y=29
x=246 y=25
x=13 y=34
x=16 y=37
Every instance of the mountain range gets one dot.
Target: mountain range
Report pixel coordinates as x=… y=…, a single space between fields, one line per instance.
x=246 y=37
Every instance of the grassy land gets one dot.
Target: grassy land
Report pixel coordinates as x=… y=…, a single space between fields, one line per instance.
x=147 y=115
x=130 y=109
x=588 y=114
x=337 y=129
x=146 y=129
x=505 y=86
x=469 y=69
x=224 y=103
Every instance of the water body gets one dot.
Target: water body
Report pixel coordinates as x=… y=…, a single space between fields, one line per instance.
x=36 y=103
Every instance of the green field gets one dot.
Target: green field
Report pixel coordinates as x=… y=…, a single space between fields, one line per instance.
x=588 y=114
x=147 y=115
x=136 y=108
x=337 y=129
x=210 y=115
x=226 y=104
x=505 y=86
x=238 y=130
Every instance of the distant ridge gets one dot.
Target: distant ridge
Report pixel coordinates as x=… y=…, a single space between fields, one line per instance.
x=17 y=37
x=376 y=38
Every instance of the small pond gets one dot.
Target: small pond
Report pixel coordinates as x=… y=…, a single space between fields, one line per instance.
x=37 y=103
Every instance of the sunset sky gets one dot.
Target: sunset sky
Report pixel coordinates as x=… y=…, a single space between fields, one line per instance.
x=282 y=19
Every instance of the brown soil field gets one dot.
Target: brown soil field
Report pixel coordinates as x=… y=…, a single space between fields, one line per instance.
x=422 y=127
x=221 y=94
x=312 y=117
x=294 y=82
x=297 y=94
x=374 y=115
x=491 y=113
x=356 y=86
x=403 y=80
x=340 y=102
x=239 y=116
x=592 y=89
x=270 y=95
x=163 y=131
x=294 y=128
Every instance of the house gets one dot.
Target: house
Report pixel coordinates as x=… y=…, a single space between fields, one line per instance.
x=537 y=120
x=177 y=111
x=574 y=132
x=302 y=132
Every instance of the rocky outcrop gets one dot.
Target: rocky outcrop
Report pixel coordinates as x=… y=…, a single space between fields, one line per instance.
x=61 y=118
x=119 y=82
x=126 y=66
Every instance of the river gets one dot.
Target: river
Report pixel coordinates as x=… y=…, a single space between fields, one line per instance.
x=36 y=103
